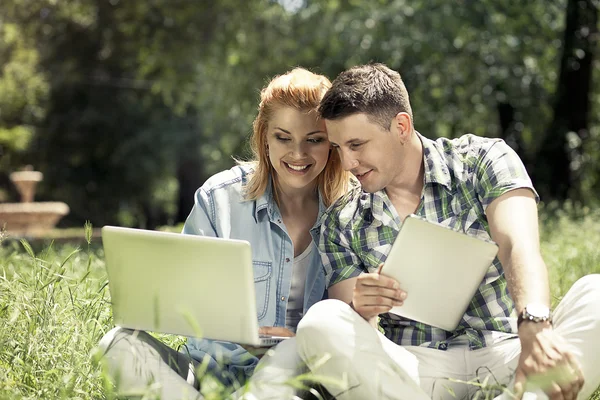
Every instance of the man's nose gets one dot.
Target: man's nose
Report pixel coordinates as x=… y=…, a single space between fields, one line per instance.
x=348 y=163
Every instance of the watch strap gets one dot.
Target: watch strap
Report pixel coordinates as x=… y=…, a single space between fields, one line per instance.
x=525 y=316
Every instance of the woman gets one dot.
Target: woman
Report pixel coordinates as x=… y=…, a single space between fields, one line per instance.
x=274 y=202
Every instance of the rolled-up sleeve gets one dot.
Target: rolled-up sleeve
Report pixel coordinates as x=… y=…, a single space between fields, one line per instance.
x=339 y=260
x=498 y=171
x=202 y=217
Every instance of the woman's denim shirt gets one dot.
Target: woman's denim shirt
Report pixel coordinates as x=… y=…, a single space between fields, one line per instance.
x=220 y=210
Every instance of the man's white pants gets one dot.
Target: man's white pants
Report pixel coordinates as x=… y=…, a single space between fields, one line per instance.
x=372 y=367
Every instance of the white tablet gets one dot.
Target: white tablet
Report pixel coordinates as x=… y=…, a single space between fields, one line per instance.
x=439 y=268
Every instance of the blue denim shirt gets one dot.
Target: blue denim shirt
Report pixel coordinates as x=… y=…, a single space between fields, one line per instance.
x=220 y=210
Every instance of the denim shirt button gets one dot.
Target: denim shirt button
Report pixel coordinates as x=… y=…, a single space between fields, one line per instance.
x=287 y=259
x=282 y=298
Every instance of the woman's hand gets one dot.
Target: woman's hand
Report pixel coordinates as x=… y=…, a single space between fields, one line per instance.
x=259 y=352
x=275 y=331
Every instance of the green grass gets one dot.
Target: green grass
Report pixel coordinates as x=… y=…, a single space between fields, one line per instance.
x=54 y=307
x=53 y=311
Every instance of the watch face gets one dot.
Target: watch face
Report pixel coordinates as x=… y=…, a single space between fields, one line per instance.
x=537 y=310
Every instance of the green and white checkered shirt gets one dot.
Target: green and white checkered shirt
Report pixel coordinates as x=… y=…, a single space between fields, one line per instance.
x=462 y=177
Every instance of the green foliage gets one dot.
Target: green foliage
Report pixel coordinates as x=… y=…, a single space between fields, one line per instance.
x=21 y=85
x=128 y=106
x=23 y=91
x=122 y=107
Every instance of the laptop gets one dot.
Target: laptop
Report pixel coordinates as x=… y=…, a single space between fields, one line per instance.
x=439 y=268
x=182 y=284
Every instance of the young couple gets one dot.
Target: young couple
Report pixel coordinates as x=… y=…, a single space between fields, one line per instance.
x=307 y=136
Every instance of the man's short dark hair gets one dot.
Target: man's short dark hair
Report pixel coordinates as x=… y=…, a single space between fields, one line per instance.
x=372 y=89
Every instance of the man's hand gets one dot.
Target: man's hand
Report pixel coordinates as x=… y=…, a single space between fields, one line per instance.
x=547 y=363
x=376 y=294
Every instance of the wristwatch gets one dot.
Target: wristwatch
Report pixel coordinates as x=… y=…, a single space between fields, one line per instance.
x=535 y=312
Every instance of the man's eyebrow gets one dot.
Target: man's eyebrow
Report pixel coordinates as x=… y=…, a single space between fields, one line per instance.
x=353 y=141
x=308 y=134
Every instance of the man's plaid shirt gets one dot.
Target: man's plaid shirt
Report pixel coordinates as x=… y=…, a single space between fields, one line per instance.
x=462 y=177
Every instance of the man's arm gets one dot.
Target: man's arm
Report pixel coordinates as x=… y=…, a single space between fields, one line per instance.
x=513 y=224
x=369 y=294
x=343 y=290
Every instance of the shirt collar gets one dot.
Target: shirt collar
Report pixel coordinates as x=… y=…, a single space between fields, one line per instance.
x=436 y=169
x=266 y=203
x=379 y=201
x=321 y=215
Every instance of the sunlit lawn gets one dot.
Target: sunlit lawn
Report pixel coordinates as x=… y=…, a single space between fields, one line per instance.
x=54 y=307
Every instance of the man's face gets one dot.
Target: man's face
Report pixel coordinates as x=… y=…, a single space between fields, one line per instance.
x=371 y=153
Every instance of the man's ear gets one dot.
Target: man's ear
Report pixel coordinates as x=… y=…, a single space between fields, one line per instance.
x=403 y=126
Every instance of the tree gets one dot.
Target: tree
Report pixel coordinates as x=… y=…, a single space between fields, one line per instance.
x=23 y=92
x=123 y=88
x=559 y=161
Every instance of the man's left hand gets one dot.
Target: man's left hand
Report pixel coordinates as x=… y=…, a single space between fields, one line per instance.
x=546 y=362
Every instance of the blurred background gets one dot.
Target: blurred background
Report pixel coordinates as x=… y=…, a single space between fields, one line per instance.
x=127 y=106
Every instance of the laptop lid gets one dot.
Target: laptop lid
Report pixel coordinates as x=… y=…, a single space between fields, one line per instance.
x=181 y=284
x=439 y=268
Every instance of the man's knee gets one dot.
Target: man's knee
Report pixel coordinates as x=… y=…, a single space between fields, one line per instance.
x=321 y=316
x=319 y=327
x=589 y=284
x=583 y=299
x=588 y=287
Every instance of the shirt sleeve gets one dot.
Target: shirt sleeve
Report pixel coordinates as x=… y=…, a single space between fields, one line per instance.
x=201 y=219
x=499 y=170
x=339 y=260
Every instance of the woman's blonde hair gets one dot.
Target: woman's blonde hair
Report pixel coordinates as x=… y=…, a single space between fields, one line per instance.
x=302 y=90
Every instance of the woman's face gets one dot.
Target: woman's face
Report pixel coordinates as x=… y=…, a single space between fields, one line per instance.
x=297 y=147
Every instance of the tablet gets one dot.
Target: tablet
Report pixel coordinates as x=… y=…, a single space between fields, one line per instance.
x=440 y=270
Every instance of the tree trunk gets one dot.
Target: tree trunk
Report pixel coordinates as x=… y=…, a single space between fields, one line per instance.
x=190 y=166
x=190 y=175
x=556 y=167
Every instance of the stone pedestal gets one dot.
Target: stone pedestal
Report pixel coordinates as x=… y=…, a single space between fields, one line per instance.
x=26 y=181
x=29 y=217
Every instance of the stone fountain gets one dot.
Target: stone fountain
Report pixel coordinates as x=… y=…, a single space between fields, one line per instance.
x=29 y=217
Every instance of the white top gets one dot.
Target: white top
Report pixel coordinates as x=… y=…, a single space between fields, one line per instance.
x=295 y=303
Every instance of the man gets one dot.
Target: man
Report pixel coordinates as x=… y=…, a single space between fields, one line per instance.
x=477 y=185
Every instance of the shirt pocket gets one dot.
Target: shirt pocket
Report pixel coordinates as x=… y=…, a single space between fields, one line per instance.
x=262 y=283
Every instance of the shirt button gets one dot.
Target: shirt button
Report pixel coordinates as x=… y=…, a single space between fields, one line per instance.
x=282 y=298
x=287 y=259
